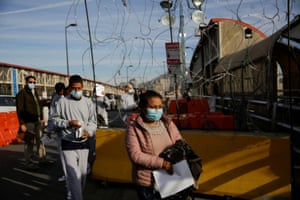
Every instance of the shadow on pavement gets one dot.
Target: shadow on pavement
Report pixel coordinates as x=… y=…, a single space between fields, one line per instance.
x=17 y=183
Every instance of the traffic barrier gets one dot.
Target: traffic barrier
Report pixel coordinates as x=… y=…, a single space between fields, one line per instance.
x=217 y=121
x=183 y=119
x=7 y=136
x=198 y=106
x=194 y=120
x=182 y=105
x=9 y=125
x=195 y=114
x=235 y=164
x=191 y=106
x=3 y=140
x=209 y=121
x=13 y=124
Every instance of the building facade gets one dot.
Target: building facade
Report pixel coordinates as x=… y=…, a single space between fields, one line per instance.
x=12 y=79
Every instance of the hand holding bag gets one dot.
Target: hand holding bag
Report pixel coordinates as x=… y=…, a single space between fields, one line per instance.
x=180 y=151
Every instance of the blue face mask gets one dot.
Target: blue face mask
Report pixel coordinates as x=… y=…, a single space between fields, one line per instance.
x=130 y=91
x=31 y=85
x=154 y=114
x=76 y=95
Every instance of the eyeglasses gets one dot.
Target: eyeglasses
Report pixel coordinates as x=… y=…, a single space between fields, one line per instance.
x=31 y=82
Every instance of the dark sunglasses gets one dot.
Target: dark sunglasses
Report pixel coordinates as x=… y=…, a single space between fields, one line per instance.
x=31 y=82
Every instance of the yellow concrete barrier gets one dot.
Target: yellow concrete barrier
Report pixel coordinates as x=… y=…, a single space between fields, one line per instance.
x=235 y=164
x=112 y=162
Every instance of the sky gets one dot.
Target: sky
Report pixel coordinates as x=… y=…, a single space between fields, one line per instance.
x=128 y=38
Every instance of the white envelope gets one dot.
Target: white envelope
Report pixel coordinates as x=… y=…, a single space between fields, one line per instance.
x=181 y=179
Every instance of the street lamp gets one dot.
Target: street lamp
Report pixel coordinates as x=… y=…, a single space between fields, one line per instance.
x=167 y=5
x=127 y=72
x=198 y=3
x=66 y=40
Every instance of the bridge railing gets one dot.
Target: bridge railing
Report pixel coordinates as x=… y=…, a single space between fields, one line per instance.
x=260 y=114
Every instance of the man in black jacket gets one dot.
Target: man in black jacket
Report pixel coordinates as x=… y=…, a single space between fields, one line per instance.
x=29 y=113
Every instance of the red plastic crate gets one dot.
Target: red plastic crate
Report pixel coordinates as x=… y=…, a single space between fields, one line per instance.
x=182 y=105
x=217 y=122
x=198 y=105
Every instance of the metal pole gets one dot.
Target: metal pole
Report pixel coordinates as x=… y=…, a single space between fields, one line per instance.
x=67 y=57
x=127 y=74
x=175 y=75
x=91 y=45
x=295 y=194
x=66 y=41
x=92 y=57
x=182 y=49
x=170 y=20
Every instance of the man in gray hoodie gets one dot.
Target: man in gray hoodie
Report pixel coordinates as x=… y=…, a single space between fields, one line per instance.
x=75 y=119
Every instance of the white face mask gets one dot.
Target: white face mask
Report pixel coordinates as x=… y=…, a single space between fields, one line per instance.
x=131 y=91
x=31 y=85
x=76 y=94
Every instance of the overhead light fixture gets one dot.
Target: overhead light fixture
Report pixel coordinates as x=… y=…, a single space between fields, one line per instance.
x=198 y=16
x=248 y=33
x=165 y=20
x=166 y=5
x=202 y=25
x=197 y=3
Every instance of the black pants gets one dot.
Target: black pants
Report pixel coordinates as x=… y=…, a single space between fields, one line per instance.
x=149 y=193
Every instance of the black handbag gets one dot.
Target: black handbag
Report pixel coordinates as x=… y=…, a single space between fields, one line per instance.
x=182 y=151
x=178 y=152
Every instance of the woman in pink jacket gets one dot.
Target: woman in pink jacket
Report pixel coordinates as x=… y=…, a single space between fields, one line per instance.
x=147 y=136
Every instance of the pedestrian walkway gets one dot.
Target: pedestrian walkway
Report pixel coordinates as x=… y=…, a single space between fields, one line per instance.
x=19 y=184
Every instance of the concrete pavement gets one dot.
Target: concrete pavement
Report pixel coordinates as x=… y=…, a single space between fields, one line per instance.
x=17 y=183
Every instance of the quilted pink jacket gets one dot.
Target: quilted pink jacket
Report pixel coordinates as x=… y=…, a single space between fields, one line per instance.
x=140 y=150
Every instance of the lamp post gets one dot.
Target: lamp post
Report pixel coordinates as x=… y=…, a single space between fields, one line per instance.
x=166 y=5
x=66 y=40
x=91 y=46
x=127 y=72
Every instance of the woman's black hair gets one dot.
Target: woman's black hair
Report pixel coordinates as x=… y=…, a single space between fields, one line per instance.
x=144 y=97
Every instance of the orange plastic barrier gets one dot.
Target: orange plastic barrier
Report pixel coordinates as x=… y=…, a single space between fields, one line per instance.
x=183 y=119
x=182 y=106
x=9 y=125
x=4 y=131
x=194 y=114
x=13 y=124
x=192 y=106
x=198 y=106
x=217 y=122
